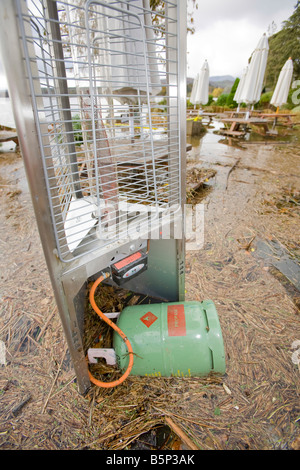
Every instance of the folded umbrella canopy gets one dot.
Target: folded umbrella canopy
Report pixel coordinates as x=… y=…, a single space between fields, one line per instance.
x=238 y=93
x=283 y=84
x=134 y=60
x=200 y=88
x=193 y=93
x=253 y=84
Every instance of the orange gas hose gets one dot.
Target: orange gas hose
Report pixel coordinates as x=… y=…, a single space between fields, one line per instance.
x=117 y=329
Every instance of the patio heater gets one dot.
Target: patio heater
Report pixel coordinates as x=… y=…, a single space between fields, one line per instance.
x=105 y=164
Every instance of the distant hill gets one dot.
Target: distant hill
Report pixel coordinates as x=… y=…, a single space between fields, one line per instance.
x=221 y=78
x=222 y=81
x=219 y=81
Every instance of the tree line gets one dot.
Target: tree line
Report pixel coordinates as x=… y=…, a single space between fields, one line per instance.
x=282 y=45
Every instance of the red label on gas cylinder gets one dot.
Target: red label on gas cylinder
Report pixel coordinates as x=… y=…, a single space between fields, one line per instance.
x=148 y=319
x=176 y=320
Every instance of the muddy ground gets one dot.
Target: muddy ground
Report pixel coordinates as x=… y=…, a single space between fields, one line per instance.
x=248 y=265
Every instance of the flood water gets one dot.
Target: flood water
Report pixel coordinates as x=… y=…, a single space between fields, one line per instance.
x=239 y=164
x=6 y=114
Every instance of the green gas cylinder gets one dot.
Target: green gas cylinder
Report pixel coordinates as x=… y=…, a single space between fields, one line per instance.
x=181 y=339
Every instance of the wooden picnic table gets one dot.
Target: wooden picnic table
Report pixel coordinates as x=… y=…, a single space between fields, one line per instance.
x=234 y=114
x=238 y=126
x=278 y=116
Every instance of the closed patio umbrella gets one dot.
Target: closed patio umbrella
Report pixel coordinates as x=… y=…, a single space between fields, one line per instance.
x=256 y=71
x=283 y=85
x=195 y=85
x=238 y=93
x=122 y=47
x=201 y=86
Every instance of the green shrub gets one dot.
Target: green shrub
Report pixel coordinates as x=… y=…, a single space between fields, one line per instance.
x=266 y=98
x=77 y=128
x=222 y=100
x=210 y=100
x=230 y=102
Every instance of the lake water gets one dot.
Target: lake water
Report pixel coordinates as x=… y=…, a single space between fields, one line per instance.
x=6 y=114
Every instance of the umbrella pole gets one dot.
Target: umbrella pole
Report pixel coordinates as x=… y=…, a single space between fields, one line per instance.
x=131 y=123
x=275 y=119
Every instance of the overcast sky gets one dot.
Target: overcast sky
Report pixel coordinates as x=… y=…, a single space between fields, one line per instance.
x=227 y=32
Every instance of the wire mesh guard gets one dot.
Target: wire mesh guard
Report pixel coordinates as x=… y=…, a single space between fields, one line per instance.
x=103 y=78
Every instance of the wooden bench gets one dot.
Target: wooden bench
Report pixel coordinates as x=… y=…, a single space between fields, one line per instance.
x=232 y=133
x=237 y=123
x=286 y=117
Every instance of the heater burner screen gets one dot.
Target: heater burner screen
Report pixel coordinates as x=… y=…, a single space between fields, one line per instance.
x=104 y=86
